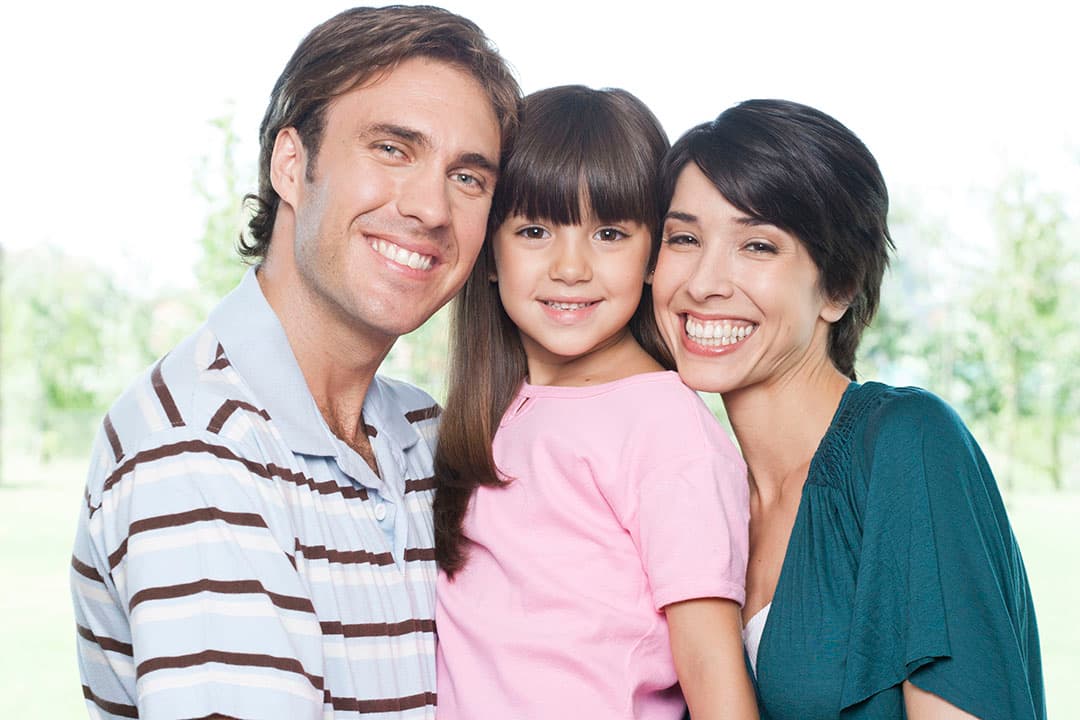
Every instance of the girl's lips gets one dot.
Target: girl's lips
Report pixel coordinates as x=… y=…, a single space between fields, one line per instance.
x=568 y=312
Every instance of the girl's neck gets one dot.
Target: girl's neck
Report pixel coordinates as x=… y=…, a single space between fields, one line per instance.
x=618 y=359
x=780 y=424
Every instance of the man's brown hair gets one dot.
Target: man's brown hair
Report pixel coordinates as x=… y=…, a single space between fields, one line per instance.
x=348 y=50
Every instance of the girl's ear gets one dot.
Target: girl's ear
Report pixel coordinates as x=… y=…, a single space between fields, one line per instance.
x=493 y=277
x=649 y=277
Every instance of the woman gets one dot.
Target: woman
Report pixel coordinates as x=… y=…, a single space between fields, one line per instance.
x=884 y=580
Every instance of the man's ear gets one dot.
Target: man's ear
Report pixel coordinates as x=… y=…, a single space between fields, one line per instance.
x=288 y=163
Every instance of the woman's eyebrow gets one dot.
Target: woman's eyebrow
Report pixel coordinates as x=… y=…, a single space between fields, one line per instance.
x=679 y=215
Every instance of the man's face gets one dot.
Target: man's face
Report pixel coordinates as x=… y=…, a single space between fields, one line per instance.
x=393 y=214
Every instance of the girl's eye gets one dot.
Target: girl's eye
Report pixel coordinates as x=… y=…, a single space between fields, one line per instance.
x=533 y=232
x=609 y=234
x=681 y=239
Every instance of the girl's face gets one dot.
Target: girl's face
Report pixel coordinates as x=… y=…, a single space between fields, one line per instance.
x=737 y=301
x=570 y=289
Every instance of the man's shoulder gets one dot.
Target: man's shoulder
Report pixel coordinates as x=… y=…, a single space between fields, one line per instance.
x=190 y=390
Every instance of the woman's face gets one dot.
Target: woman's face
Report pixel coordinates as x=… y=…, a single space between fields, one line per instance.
x=737 y=301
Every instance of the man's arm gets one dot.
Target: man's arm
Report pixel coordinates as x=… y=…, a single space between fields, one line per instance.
x=186 y=604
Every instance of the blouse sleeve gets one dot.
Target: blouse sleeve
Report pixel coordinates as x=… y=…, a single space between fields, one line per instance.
x=941 y=595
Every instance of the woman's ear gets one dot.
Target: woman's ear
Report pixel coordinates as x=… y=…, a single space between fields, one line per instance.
x=649 y=277
x=833 y=310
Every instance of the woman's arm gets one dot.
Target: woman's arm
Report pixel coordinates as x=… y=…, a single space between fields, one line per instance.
x=706 y=643
x=922 y=705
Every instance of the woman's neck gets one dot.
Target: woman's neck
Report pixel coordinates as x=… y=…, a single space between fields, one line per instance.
x=780 y=423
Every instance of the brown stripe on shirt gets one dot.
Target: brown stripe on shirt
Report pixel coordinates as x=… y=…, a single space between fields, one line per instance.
x=189 y=517
x=129 y=711
x=114 y=439
x=85 y=570
x=415 y=416
x=220 y=361
x=364 y=630
x=105 y=643
x=321 y=552
x=383 y=705
x=417 y=554
x=270 y=471
x=164 y=396
x=227 y=409
x=180 y=662
x=224 y=587
x=427 y=483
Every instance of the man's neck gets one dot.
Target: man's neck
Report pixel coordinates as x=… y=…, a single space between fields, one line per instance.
x=337 y=359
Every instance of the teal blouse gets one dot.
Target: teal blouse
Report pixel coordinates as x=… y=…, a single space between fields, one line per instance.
x=901 y=565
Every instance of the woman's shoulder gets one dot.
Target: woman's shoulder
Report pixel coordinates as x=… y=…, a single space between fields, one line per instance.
x=878 y=422
x=888 y=414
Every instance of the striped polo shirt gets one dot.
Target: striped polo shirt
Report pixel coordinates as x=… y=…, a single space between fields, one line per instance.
x=235 y=557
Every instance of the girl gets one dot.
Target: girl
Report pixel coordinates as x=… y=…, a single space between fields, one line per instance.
x=591 y=513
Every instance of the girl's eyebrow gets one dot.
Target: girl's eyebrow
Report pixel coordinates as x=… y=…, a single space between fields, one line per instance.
x=679 y=215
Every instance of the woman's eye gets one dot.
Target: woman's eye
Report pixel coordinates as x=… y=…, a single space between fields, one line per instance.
x=760 y=246
x=609 y=234
x=681 y=239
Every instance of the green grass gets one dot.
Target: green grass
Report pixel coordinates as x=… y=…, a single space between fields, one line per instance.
x=38 y=507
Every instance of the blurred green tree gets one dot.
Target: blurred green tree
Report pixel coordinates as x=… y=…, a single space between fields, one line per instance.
x=1019 y=358
x=221 y=181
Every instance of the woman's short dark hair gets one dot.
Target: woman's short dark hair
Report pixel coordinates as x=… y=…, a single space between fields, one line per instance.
x=346 y=51
x=801 y=170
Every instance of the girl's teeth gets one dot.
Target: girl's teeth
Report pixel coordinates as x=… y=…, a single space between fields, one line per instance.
x=567 y=306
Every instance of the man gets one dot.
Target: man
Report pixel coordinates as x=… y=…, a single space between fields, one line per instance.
x=256 y=540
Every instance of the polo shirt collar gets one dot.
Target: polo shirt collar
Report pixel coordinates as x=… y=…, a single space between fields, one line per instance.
x=257 y=347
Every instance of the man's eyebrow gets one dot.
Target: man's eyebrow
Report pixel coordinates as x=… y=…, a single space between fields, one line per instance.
x=479 y=161
x=679 y=215
x=400 y=132
x=416 y=137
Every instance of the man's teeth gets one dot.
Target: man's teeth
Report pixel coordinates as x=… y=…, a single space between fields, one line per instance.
x=714 y=333
x=402 y=256
x=567 y=306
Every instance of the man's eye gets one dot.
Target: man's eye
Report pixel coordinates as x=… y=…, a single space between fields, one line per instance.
x=391 y=150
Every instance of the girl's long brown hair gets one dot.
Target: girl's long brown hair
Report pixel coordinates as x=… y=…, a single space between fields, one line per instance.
x=577 y=150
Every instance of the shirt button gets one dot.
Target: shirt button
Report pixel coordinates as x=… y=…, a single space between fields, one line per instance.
x=380 y=512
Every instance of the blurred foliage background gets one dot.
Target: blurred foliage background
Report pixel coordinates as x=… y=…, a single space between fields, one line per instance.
x=989 y=322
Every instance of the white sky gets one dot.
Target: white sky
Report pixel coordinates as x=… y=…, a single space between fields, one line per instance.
x=106 y=105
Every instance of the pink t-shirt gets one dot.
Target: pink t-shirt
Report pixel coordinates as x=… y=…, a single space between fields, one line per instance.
x=625 y=497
